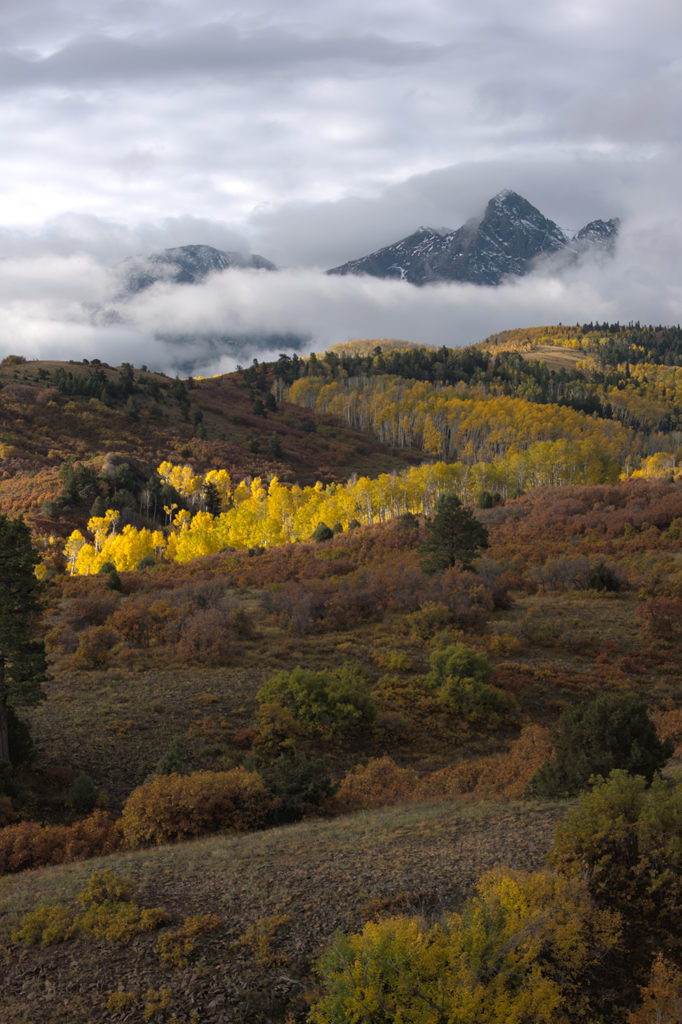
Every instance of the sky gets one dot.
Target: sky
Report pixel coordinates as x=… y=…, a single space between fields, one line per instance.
x=314 y=133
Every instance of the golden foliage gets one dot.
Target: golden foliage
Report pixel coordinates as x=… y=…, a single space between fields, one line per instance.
x=172 y=807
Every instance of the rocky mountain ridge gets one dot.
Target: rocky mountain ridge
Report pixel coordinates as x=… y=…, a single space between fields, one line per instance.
x=510 y=239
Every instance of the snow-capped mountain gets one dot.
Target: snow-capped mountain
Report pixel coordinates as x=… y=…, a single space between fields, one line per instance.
x=187 y=264
x=510 y=238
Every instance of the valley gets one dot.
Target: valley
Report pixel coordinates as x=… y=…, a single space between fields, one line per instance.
x=369 y=732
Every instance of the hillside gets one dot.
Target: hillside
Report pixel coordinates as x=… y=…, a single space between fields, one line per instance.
x=93 y=414
x=270 y=892
x=192 y=654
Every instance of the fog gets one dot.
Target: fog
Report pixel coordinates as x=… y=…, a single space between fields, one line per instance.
x=74 y=307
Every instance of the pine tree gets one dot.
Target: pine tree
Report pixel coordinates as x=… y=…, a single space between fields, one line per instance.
x=454 y=536
x=22 y=658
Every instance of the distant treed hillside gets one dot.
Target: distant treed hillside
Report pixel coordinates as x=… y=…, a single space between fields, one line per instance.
x=607 y=370
x=76 y=435
x=480 y=403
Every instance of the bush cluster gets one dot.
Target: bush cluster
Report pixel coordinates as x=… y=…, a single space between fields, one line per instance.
x=326 y=704
x=108 y=911
x=173 y=807
x=32 y=845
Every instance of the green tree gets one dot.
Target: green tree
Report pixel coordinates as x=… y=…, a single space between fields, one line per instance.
x=624 y=840
x=454 y=536
x=322 y=533
x=22 y=657
x=275 y=446
x=298 y=783
x=612 y=731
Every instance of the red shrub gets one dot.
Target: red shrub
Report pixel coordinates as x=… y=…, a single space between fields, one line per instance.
x=32 y=845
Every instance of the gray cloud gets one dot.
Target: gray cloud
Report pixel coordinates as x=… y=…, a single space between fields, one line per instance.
x=314 y=133
x=206 y=52
x=67 y=307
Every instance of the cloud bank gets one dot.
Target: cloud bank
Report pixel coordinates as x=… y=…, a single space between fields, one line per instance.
x=71 y=307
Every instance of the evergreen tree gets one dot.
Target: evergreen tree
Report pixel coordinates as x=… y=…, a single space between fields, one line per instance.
x=613 y=731
x=453 y=535
x=22 y=658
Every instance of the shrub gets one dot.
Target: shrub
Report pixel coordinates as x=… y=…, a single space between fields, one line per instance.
x=259 y=937
x=603 y=577
x=108 y=912
x=431 y=619
x=322 y=533
x=21 y=749
x=611 y=731
x=173 y=761
x=508 y=774
x=90 y=610
x=83 y=794
x=32 y=845
x=47 y=925
x=661 y=618
x=524 y=948
x=325 y=703
x=175 y=948
x=172 y=807
x=379 y=783
x=132 y=623
x=661 y=997
x=297 y=783
x=461 y=677
x=206 y=636
x=94 y=647
x=162 y=617
x=625 y=840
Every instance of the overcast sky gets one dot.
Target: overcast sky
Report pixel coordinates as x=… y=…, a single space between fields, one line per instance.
x=313 y=133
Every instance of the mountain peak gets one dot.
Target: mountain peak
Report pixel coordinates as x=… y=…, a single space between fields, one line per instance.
x=187 y=264
x=508 y=240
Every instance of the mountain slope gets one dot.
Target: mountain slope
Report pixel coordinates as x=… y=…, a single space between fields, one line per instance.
x=187 y=264
x=510 y=237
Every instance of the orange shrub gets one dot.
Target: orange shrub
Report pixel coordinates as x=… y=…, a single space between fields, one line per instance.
x=132 y=623
x=506 y=774
x=206 y=635
x=378 y=783
x=669 y=726
x=662 y=997
x=32 y=845
x=89 y=609
x=94 y=647
x=172 y=807
x=661 y=618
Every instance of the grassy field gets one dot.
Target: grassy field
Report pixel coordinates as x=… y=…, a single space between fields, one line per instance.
x=280 y=896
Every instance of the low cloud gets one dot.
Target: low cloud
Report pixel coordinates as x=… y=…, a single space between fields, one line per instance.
x=69 y=307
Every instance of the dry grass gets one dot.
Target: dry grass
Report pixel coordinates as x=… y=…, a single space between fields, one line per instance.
x=314 y=878
x=555 y=357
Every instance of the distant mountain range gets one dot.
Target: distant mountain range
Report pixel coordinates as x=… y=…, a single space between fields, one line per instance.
x=510 y=239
